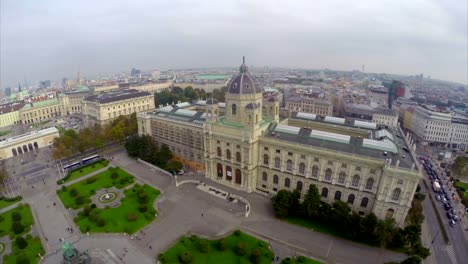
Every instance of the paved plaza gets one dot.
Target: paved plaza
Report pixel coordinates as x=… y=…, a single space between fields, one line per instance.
x=181 y=210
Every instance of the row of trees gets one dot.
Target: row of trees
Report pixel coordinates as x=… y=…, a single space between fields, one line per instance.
x=71 y=142
x=177 y=93
x=145 y=148
x=348 y=224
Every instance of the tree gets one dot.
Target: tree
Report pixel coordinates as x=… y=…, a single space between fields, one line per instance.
x=16 y=217
x=222 y=244
x=185 y=257
x=285 y=203
x=412 y=260
x=174 y=165
x=385 y=231
x=21 y=243
x=368 y=227
x=256 y=256
x=239 y=249
x=204 y=246
x=3 y=173
x=17 y=227
x=311 y=203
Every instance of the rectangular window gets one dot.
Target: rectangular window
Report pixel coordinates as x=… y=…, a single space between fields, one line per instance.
x=358 y=168
x=278 y=151
x=330 y=162
x=303 y=157
x=343 y=165
x=290 y=153
x=372 y=171
x=227 y=144
x=264 y=186
x=316 y=159
x=275 y=189
x=265 y=148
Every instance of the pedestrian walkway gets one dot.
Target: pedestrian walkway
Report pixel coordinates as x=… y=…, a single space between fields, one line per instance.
x=8 y=208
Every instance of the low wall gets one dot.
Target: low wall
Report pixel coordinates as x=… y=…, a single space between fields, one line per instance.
x=154 y=167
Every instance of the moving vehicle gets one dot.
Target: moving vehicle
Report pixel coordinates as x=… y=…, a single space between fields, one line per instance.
x=71 y=166
x=452 y=223
x=436 y=186
x=89 y=159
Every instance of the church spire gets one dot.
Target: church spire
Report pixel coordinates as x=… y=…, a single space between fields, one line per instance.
x=19 y=87
x=243 y=68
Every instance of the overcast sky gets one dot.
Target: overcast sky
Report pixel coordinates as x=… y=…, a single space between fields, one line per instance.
x=51 y=39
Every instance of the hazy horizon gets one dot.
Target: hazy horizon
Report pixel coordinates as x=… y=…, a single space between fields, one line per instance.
x=51 y=39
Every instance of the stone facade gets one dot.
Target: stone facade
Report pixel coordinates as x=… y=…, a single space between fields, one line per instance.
x=28 y=142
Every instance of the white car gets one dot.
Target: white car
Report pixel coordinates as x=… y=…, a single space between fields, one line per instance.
x=438 y=198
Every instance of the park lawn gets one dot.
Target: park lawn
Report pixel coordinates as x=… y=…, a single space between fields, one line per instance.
x=4 y=203
x=87 y=188
x=214 y=255
x=87 y=170
x=30 y=252
x=300 y=260
x=312 y=225
x=4 y=133
x=464 y=185
x=116 y=218
x=26 y=219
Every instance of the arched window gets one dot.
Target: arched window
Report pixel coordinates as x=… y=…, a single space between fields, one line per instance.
x=364 y=202
x=264 y=176
x=328 y=174
x=238 y=176
x=355 y=182
x=299 y=186
x=287 y=182
x=25 y=148
x=369 y=183
x=238 y=156
x=302 y=168
x=275 y=179
x=265 y=159
x=30 y=147
x=219 y=169
x=277 y=162
x=337 y=195
x=228 y=154
x=234 y=109
x=315 y=171
x=396 y=194
x=20 y=151
x=325 y=192
x=289 y=165
x=351 y=198
x=15 y=153
x=342 y=177
x=219 y=152
x=36 y=146
x=228 y=173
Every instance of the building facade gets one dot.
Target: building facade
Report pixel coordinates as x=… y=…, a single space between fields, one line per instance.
x=43 y=110
x=431 y=126
x=9 y=113
x=74 y=100
x=309 y=105
x=18 y=145
x=102 y=109
x=249 y=149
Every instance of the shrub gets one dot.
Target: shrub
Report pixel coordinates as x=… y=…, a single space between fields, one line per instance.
x=221 y=245
x=22 y=259
x=21 y=243
x=93 y=206
x=204 y=246
x=301 y=259
x=123 y=181
x=237 y=232
x=15 y=216
x=17 y=227
x=93 y=216
x=287 y=260
x=86 y=210
x=92 y=192
x=91 y=180
x=114 y=175
x=79 y=200
x=240 y=249
x=1 y=218
x=185 y=241
x=81 y=170
x=101 y=222
x=256 y=256
x=132 y=217
x=142 y=197
x=143 y=208
x=73 y=192
x=193 y=238
x=93 y=166
x=185 y=257
x=162 y=258
x=64 y=188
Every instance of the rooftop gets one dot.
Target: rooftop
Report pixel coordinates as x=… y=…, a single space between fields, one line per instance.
x=47 y=102
x=28 y=136
x=115 y=96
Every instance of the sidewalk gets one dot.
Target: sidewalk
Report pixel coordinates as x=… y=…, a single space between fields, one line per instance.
x=8 y=208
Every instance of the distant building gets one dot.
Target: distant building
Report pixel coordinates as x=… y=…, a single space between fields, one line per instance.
x=309 y=105
x=396 y=89
x=40 y=111
x=383 y=116
x=101 y=109
x=8 y=91
x=9 y=113
x=73 y=100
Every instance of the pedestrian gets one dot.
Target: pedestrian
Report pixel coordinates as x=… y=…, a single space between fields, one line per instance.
x=54 y=204
x=277 y=258
x=202 y=214
x=150 y=247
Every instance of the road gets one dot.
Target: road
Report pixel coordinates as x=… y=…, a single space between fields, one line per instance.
x=456 y=251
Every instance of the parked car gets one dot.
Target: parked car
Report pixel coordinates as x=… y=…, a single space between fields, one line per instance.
x=438 y=197
x=443 y=199
x=449 y=215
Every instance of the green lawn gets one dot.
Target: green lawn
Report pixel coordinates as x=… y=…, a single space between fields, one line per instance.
x=116 y=220
x=26 y=219
x=86 y=170
x=78 y=195
x=299 y=260
x=212 y=253
x=463 y=185
x=30 y=252
x=5 y=203
x=4 y=133
x=311 y=225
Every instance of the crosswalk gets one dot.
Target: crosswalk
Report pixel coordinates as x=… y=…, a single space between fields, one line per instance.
x=451 y=254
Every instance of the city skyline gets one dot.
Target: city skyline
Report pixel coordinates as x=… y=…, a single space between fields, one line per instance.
x=51 y=40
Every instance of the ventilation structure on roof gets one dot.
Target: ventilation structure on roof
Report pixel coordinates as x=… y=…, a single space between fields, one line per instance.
x=317 y=134
x=363 y=124
x=383 y=145
x=306 y=116
x=287 y=129
x=385 y=134
x=335 y=120
x=185 y=112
